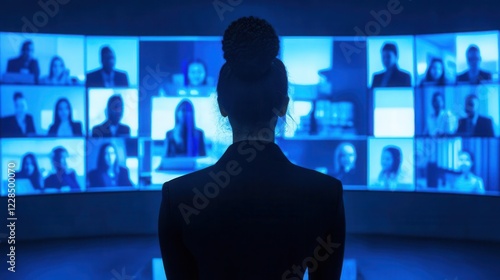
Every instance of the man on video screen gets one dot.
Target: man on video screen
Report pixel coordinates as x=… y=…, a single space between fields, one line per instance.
x=107 y=76
x=392 y=76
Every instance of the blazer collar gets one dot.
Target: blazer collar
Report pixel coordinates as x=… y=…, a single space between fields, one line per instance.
x=253 y=151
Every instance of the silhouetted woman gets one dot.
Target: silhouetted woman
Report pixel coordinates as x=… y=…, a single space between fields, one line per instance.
x=108 y=173
x=435 y=75
x=58 y=74
x=63 y=178
x=63 y=124
x=29 y=170
x=390 y=174
x=467 y=181
x=254 y=214
x=185 y=140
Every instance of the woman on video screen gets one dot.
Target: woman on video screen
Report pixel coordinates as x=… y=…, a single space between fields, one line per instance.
x=185 y=140
x=58 y=73
x=391 y=167
x=63 y=120
x=435 y=75
x=195 y=74
x=467 y=181
x=108 y=173
x=29 y=170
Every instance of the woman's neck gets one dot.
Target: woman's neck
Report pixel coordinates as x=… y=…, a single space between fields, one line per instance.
x=265 y=135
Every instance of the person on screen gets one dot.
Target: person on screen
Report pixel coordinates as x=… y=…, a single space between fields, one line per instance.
x=112 y=127
x=196 y=73
x=108 y=173
x=345 y=164
x=64 y=125
x=63 y=178
x=474 y=125
x=107 y=76
x=390 y=174
x=474 y=75
x=441 y=122
x=435 y=75
x=467 y=181
x=253 y=192
x=185 y=140
x=58 y=73
x=392 y=76
x=25 y=63
x=29 y=170
x=21 y=123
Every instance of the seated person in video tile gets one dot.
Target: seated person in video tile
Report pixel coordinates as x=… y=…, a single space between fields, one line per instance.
x=58 y=74
x=21 y=124
x=108 y=172
x=185 y=140
x=391 y=76
x=391 y=161
x=345 y=165
x=435 y=75
x=63 y=178
x=29 y=170
x=107 y=76
x=441 y=122
x=467 y=181
x=474 y=125
x=25 y=63
x=112 y=127
x=474 y=75
x=63 y=120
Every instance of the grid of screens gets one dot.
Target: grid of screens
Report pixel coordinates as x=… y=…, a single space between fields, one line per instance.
x=400 y=113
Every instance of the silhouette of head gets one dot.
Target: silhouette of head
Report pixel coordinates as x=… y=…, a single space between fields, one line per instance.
x=345 y=156
x=184 y=114
x=435 y=72
x=465 y=161
x=471 y=105
x=59 y=156
x=253 y=85
x=107 y=158
x=389 y=55
x=29 y=165
x=57 y=67
x=473 y=57
x=27 y=50
x=114 y=109
x=196 y=73
x=62 y=111
x=437 y=101
x=108 y=59
x=391 y=159
x=20 y=104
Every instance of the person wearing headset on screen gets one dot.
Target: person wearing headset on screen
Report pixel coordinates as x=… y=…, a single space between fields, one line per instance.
x=435 y=75
x=20 y=124
x=467 y=181
x=474 y=125
x=29 y=170
x=63 y=178
x=63 y=124
x=474 y=75
x=112 y=127
x=58 y=73
x=25 y=63
x=345 y=165
x=108 y=172
x=107 y=76
x=441 y=122
x=185 y=140
x=392 y=76
x=253 y=193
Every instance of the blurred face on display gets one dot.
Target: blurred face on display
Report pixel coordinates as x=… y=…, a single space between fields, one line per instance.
x=27 y=51
x=62 y=163
x=471 y=106
x=438 y=103
x=110 y=156
x=473 y=59
x=115 y=112
x=389 y=59
x=386 y=160
x=464 y=162
x=30 y=166
x=63 y=111
x=57 y=68
x=436 y=70
x=347 y=156
x=21 y=106
x=196 y=74
x=108 y=60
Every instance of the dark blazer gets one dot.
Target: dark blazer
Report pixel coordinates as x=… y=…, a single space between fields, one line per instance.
x=103 y=130
x=483 y=127
x=174 y=150
x=58 y=181
x=16 y=64
x=10 y=128
x=483 y=76
x=101 y=179
x=76 y=128
x=95 y=79
x=252 y=215
x=398 y=78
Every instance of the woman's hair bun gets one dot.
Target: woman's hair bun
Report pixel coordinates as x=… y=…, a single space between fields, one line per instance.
x=250 y=46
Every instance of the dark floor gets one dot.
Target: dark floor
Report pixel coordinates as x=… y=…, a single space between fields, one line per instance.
x=377 y=257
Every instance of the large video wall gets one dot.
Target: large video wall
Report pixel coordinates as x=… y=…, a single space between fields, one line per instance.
x=399 y=113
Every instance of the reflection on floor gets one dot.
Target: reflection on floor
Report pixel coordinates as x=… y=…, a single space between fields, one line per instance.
x=376 y=257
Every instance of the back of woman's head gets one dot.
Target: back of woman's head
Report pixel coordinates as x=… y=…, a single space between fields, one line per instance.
x=253 y=83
